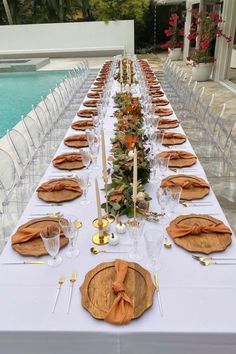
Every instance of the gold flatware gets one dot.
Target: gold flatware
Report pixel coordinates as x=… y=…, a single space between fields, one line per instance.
x=61 y=281
x=73 y=278
x=96 y=251
x=167 y=243
x=57 y=214
x=206 y=258
x=157 y=290
x=207 y=263
x=24 y=262
x=195 y=204
x=51 y=205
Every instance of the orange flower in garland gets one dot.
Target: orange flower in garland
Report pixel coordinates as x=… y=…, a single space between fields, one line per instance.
x=129 y=141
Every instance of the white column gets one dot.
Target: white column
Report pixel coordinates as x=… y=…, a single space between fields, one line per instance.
x=223 y=49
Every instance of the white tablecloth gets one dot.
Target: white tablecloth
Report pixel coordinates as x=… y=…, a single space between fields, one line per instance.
x=198 y=302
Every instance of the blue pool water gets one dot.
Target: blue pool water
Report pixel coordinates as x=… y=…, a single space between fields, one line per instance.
x=18 y=91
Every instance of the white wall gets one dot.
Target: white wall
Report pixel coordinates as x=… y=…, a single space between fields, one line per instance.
x=56 y=37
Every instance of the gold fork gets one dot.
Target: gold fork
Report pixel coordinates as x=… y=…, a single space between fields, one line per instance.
x=73 y=278
x=61 y=281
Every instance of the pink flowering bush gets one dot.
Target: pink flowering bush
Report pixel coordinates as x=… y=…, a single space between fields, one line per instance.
x=174 y=32
x=205 y=26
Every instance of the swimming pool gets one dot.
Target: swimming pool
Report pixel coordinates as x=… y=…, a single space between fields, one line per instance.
x=18 y=91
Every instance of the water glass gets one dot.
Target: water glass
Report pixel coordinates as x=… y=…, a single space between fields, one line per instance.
x=174 y=198
x=162 y=198
x=162 y=166
x=154 y=241
x=94 y=151
x=51 y=239
x=86 y=158
x=135 y=231
x=83 y=181
x=70 y=230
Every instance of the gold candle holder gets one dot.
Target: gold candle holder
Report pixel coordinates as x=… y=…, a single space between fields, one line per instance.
x=101 y=237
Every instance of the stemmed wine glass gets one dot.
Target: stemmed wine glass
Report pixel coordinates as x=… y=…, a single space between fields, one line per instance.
x=135 y=231
x=83 y=181
x=94 y=151
x=70 y=230
x=162 y=199
x=51 y=240
x=154 y=241
x=162 y=166
x=86 y=158
x=174 y=198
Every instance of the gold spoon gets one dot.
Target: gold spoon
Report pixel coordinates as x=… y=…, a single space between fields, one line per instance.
x=96 y=251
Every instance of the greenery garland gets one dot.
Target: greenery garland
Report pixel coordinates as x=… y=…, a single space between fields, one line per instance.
x=128 y=135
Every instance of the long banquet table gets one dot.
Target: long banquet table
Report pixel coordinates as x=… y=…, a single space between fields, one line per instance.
x=198 y=302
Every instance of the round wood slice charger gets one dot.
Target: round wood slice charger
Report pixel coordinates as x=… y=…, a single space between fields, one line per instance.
x=168 y=123
x=93 y=95
x=77 y=141
x=173 y=138
x=203 y=242
x=163 y=111
x=87 y=113
x=91 y=103
x=59 y=190
x=179 y=158
x=193 y=187
x=98 y=296
x=68 y=161
x=35 y=246
x=82 y=124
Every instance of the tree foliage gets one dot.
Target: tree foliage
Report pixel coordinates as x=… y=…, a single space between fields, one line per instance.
x=106 y=10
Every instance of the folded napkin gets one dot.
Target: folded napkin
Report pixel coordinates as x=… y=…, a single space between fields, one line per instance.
x=87 y=112
x=67 y=158
x=121 y=310
x=27 y=234
x=176 y=155
x=168 y=121
x=169 y=135
x=185 y=183
x=81 y=137
x=82 y=123
x=163 y=111
x=58 y=186
x=93 y=94
x=179 y=230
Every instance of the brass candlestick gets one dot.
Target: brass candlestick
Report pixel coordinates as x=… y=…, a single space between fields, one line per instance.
x=101 y=237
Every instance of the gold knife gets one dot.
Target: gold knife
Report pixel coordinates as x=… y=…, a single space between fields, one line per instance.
x=23 y=262
x=158 y=293
x=73 y=278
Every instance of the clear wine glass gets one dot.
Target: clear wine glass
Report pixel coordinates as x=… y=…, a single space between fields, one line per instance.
x=94 y=151
x=51 y=240
x=174 y=198
x=83 y=181
x=162 y=165
x=68 y=225
x=135 y=231
x=86 y=158
x=154 y=241
x=162 y=199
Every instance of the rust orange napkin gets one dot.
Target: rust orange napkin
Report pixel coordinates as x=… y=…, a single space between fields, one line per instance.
x=185 y=183
x=82 y=123
x=59 y=186
x=179 y=230
x=81 y=137
x=121 y=311
x=67 y=158
x=175 y=155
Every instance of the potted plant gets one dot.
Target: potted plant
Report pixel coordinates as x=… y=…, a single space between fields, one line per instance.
x=175 y=33
x=204 y=29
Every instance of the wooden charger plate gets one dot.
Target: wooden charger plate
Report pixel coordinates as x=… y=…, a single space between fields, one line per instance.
x=62 y=195
x=91 y=103
x=159 y=101
x=177 y=139
x=170 y=124
x=206 y=242
x=189 y=193
x=87 y=113
x=80 y=124
x=76 y=143
x=98 y=296
x=69 y=165
x=93 y=95
x=35 y=248
x=179 y=162
x=163 y=112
